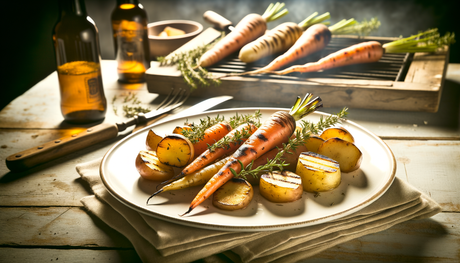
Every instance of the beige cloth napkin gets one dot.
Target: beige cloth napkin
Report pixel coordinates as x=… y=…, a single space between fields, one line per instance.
x=160 y=241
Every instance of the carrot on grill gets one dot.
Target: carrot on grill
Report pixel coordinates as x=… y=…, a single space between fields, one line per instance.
x=372 y=51
x=248 y=29
x=278 y=39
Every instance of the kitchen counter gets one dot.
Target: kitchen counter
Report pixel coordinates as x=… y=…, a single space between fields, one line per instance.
x=43 y=220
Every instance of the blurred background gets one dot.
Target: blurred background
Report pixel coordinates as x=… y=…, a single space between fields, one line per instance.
x=29 y=51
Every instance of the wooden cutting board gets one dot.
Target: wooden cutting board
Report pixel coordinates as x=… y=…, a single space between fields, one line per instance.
x=405 y=82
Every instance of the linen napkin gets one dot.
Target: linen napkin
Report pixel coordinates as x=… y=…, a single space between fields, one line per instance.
x=160 y=241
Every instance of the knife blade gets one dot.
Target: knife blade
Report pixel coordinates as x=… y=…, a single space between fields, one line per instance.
x=43 y=153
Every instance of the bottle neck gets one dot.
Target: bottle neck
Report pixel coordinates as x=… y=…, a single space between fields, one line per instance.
x=72 y=7
x=134 y=2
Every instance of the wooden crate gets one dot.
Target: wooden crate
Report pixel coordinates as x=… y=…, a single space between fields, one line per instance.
x=405 y=82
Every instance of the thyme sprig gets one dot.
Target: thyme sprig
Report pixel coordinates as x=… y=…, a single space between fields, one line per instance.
x=131 y=105
x=237 y=120
x=302 y=135
x=196 y=133
x=187 y=63
x=237 y=138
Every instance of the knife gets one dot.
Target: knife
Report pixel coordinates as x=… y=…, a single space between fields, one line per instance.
x=32 y=157
x=218 y=21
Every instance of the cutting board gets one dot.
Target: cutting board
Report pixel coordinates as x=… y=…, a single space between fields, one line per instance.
x=404 y=82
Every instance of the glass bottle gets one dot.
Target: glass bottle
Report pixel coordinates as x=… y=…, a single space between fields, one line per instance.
x=129 y=25
x=76 y=44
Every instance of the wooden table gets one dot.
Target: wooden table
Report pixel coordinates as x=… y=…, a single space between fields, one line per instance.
x=42 y=219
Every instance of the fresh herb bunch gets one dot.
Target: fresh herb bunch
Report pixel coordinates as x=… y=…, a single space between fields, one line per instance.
x=302 y=135
x=187 y=64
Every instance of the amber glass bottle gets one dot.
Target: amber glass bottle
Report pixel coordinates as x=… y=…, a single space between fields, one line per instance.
x=129 y=25
x=77 y=50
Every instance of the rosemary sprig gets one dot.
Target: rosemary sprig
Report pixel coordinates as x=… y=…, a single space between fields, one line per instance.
x=302 y=135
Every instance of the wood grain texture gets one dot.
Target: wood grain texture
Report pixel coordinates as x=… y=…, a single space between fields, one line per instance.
x=434 y=239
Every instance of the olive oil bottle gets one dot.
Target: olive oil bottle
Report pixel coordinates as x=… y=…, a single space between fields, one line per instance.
x=130 y=38
x=76 y=44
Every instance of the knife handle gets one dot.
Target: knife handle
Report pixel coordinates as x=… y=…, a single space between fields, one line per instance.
x=51 y=150
x=217 y=20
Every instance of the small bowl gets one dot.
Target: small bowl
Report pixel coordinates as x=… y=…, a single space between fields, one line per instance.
x=162 y=46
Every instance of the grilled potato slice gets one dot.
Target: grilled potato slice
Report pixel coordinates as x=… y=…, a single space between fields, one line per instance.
x=235 y=194
x=150 y=168
x=313 y=143
x=319 y=173
x=152 y=140
x=346 y=153
x=337 y=132
x=281 y=187
x=175 y=150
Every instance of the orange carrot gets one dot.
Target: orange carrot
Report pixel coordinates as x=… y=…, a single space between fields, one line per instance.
x=365 y=52
x=372 y=51
x=211 y=135
x=248 y=29
x=277 y=128
x=228 y=144
x=289 y=157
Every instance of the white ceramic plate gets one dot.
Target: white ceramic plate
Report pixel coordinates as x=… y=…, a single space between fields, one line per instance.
x=357 y=190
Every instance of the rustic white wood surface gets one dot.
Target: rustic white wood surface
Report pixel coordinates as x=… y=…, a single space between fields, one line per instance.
x=42 y=219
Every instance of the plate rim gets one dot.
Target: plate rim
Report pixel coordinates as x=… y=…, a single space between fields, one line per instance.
x=275 y=227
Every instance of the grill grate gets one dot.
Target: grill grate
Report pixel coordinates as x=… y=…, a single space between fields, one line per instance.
x=391 y=67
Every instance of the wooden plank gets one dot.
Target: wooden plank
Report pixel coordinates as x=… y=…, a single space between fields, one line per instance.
x=27 y=229
x=429 y=240
x=38 y=255
x=431 y=166
x=56 y=227
x=53 y=184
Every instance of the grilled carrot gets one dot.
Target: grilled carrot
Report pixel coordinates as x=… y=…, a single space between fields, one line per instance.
x=277 y=128
x=372 y=51
x=210 y=136
x=314 y=39
x=249 y=28
x=228 y=144
x=365 y=52
x=199 y=177
x=279 y=39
